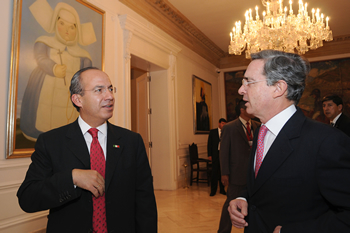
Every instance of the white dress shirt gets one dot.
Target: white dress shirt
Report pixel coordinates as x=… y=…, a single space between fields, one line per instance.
x=336 y=118
x=274 y=125
x=102 y=134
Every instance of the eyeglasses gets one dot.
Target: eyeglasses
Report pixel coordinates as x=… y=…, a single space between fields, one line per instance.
x=101 y=90
x=245 y=82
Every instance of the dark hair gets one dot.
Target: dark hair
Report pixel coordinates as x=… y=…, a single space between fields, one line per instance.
x=222 y=120
x=75 y=83
x=290 y=67
x=240 y=104
x=335 y=98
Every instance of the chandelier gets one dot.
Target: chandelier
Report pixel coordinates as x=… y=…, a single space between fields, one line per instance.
x=280 y=29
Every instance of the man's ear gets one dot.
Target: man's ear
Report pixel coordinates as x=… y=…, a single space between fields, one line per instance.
x=340 y=107
x=281 y=88
x=76 y=99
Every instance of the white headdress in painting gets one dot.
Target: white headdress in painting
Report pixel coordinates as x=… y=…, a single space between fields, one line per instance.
x=47 y=19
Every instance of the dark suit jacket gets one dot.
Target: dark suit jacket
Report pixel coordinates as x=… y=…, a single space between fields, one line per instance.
x=303 y=182
x=130 y=201
x=234 y=151
x=343 y=123
x=213 y=144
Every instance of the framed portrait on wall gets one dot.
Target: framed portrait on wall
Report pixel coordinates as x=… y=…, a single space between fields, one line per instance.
x=325 y=77
x=51 y=40
x=202 y=106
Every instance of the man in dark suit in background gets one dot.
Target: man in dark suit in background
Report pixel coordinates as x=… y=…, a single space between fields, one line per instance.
x=213 y=155
x=60 y=177
x=333 y=109
x=236 y=141
x=299 y=174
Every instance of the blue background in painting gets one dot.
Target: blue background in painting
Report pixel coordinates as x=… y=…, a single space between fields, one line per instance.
x=31 y=30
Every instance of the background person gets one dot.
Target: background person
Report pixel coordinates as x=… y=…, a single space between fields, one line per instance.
x=213 y=155
x=333 y=109
x=236 y=141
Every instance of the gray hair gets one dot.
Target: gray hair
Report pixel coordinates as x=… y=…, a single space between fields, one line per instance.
x=75 y=83
x=289 y=67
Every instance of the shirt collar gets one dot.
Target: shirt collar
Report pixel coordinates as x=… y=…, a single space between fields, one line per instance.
x=336 y=118
x=244 y=122
x=85 y=127
x=276 y=123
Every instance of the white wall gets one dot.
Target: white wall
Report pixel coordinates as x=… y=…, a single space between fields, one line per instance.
x=179 y=65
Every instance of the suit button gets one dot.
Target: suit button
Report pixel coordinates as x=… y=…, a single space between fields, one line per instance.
x=253 y=207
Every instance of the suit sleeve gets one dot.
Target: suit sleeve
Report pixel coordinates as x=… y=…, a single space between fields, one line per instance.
x=333 y=175
x=43 y=188
x=146 y=210
x=225 y=151
x=209 y=145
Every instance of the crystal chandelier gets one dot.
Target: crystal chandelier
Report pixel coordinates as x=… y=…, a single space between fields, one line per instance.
x=280 y=30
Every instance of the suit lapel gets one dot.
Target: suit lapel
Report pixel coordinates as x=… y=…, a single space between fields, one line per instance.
x=114 y=151
x=240 y=129
x=279 y=150
x=76 y=143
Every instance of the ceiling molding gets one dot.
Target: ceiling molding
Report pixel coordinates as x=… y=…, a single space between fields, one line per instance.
x=165 y=16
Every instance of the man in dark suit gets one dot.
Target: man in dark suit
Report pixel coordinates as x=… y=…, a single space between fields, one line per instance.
x=236 y=141
x=299 y=174
x=60 y=177
x=213 y=155
x=333 y=109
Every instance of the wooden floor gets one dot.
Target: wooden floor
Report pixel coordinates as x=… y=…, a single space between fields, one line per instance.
x=190 y=210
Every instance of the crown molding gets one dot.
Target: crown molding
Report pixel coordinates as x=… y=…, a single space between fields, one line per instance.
x=166 y=17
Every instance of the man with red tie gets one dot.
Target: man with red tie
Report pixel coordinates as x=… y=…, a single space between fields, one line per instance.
x=299 y=174
x=236 y=141
x=92 y=175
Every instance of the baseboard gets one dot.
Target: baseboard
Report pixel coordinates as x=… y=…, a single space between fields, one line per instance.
x=43 y=230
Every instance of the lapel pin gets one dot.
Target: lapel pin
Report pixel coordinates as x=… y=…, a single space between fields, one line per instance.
x=116 y=146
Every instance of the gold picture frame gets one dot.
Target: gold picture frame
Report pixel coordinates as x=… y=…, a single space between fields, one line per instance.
x=29 y=28
x=202 y=105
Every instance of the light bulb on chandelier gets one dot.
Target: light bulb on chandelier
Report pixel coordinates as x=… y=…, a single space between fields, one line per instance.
x=280 y=30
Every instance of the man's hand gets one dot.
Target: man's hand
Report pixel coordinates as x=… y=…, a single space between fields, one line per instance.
x=277 y=229
x=238 y=209
x=225 y=180
x=90 y=180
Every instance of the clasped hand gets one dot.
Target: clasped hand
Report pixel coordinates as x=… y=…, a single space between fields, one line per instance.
x=238 y=210
x=90 y=180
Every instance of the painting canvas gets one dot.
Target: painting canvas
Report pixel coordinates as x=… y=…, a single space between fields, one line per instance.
x=326 y=77
x=52 y=39
x=202 y=107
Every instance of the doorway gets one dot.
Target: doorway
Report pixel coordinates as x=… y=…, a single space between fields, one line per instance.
x=150 y=118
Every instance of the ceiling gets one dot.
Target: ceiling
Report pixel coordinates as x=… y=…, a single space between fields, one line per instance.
x=215 y=18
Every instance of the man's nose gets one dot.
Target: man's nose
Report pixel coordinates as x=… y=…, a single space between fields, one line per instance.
x=241 y=90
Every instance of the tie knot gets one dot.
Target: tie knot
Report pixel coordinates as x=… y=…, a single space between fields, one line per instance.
x=93 y=132
x=262 y=131
x=247 y=123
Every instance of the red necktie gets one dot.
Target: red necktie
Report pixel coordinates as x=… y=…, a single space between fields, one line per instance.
x=260 y=148
x=98 y=163
x=249 y=132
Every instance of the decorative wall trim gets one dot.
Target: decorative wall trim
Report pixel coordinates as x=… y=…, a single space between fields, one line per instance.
x=9 y=164
x=169 y=11
x=22 y=219
x=166 y=17
x=145 y=33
